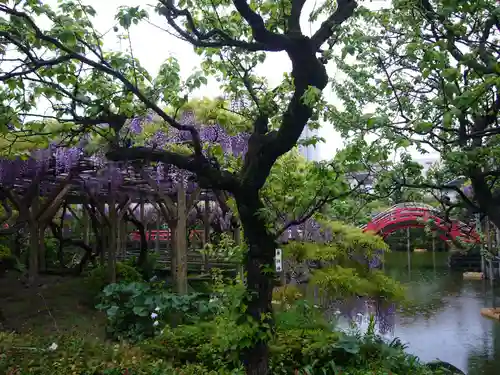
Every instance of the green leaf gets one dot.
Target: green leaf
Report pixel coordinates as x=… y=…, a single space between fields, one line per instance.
x=447 y=119
x=451 y=74
x=112 y=311
x=423 y=127
x=140 y=311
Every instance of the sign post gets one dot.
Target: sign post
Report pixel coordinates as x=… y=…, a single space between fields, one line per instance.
x=279 y=265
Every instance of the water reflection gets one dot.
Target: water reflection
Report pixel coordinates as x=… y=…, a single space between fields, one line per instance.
x=442 y=320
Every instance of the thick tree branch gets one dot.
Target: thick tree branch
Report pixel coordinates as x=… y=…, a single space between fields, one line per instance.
x=294 y=18
x=215 y=38
x=208 y=176
x=345 y=9
x=260 y=33
x=307 y=72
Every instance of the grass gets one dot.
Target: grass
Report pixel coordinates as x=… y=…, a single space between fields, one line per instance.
x=57 y=305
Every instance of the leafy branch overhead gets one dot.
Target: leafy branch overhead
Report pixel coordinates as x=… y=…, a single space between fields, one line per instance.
x=231 y=38
x=62 y=64
x=429 y=71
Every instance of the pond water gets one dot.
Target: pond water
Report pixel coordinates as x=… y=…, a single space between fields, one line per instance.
x=444 y=320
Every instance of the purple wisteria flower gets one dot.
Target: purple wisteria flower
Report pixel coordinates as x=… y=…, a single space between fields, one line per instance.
x=136 y=125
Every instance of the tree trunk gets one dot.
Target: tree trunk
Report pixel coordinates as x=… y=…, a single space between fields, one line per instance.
x=143 y=254
x=42 y=251
x=484 y=197
x=259 y=265
x=113 y=222
x=181 y=242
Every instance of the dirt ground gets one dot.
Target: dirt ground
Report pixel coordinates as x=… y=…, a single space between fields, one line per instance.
x=57 y=305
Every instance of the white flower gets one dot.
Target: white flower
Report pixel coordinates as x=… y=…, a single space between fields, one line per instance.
x=154 y=315
x=337 y=312
x=53 y=347
x=157 y=309
x=155 y=323
x=213 y=299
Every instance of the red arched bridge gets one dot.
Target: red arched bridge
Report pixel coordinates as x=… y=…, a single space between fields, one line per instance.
x=416 y=215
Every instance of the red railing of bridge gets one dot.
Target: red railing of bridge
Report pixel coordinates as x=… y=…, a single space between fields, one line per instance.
x=415 y=215
x=163 y=235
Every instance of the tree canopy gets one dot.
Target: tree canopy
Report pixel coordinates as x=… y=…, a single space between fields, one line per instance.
x=429 y=72
x=62 y=63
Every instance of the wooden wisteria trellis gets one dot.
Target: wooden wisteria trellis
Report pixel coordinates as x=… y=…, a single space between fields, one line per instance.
x=103 y=196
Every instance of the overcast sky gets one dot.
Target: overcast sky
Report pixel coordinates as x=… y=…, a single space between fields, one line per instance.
x=152 y=46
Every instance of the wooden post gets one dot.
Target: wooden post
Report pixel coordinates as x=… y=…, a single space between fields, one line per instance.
x=141 y=210
x=434 y=250
x=408 y=245
x=141 y=218
x=101 y=207
x=42 y=253
x=206 y=229
x=119 y=238
x=490 y=250
x=86 y=227
x=113 y=223
x=181 y=240
x=479 y=229
x=497 y=242
x=124 y=236
x=34 y=239
x=158 y=227
x=172 y=226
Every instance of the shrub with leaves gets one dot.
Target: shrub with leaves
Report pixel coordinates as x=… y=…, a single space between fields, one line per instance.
x=7 y=260
x=304 y=343
x=137 y=310
x=21 y=354
x=346 y=263
x=225 y=249
x=147 y=268
x=98 y=278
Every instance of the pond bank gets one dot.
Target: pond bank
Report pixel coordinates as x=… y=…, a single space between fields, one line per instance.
x=443 y=320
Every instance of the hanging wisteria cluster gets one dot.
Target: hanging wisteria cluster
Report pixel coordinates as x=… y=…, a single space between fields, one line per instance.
x=97 y=175
x=14 y=170
x=169 y=176
x=360 y=310
x=211 y=134
x=67 y=158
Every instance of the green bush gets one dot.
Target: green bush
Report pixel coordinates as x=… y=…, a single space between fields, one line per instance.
x=98 y=278
x=7 y=260
x=51 y=249
x=22 y=354
x=213 y=347
x=304 y=344
x=147 y=269
x=139 y=310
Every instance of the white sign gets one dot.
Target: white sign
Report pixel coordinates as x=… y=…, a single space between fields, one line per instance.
x=279 y=261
